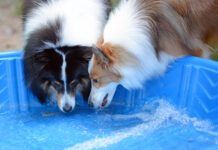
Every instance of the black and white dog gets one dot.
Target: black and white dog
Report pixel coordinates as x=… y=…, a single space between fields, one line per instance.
x=58 y=38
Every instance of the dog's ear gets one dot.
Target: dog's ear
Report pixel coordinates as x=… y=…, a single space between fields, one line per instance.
x=41 y=58
x=87 y=55
x=100 y=55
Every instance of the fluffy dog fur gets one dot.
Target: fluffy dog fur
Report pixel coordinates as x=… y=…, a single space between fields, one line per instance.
x=58 y=37
x=143 y=36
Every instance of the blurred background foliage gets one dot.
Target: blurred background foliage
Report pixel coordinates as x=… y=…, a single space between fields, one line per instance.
x=11 y=25
x=114 y=2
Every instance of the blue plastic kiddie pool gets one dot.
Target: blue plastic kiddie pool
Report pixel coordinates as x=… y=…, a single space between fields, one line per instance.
x=177 y=111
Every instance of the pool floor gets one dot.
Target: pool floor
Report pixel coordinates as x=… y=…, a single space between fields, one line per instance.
x=157 y=126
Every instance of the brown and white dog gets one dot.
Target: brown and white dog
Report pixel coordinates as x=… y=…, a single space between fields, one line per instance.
x=141 y=37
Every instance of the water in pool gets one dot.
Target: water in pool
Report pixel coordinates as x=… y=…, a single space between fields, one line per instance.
x=157 y=126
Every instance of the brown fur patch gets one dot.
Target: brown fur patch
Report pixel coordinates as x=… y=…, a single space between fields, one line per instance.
x=102 y=74
x=181 y=27
x=118 y=55
x=105 y=72
x=59 y=96
x=192 y=22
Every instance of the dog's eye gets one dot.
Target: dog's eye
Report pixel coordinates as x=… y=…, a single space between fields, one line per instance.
x=73 y=83
x=95 y=80
x=57 y=85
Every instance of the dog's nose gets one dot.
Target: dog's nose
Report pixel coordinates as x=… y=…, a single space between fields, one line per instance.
x=104 y=103
x=67 y=108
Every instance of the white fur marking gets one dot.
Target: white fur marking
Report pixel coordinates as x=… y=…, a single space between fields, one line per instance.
x=66 y=99
x=63 y=69
x=126 y=28
x=82 y=21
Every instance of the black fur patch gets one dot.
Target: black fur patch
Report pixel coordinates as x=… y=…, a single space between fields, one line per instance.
x=77 y=59
x=39 y=68
x=35 y=61
x=49 y=33
x=45 y=66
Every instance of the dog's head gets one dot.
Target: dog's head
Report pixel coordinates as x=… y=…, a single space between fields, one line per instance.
x=105 y=73
x=57 y=74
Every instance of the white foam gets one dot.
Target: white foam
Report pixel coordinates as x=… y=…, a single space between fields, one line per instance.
x=116 y=137
x=154 y=116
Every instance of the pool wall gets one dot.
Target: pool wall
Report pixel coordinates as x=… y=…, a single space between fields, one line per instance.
x=190 y=84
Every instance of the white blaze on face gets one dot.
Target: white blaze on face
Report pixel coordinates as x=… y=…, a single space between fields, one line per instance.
x=66 y=101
